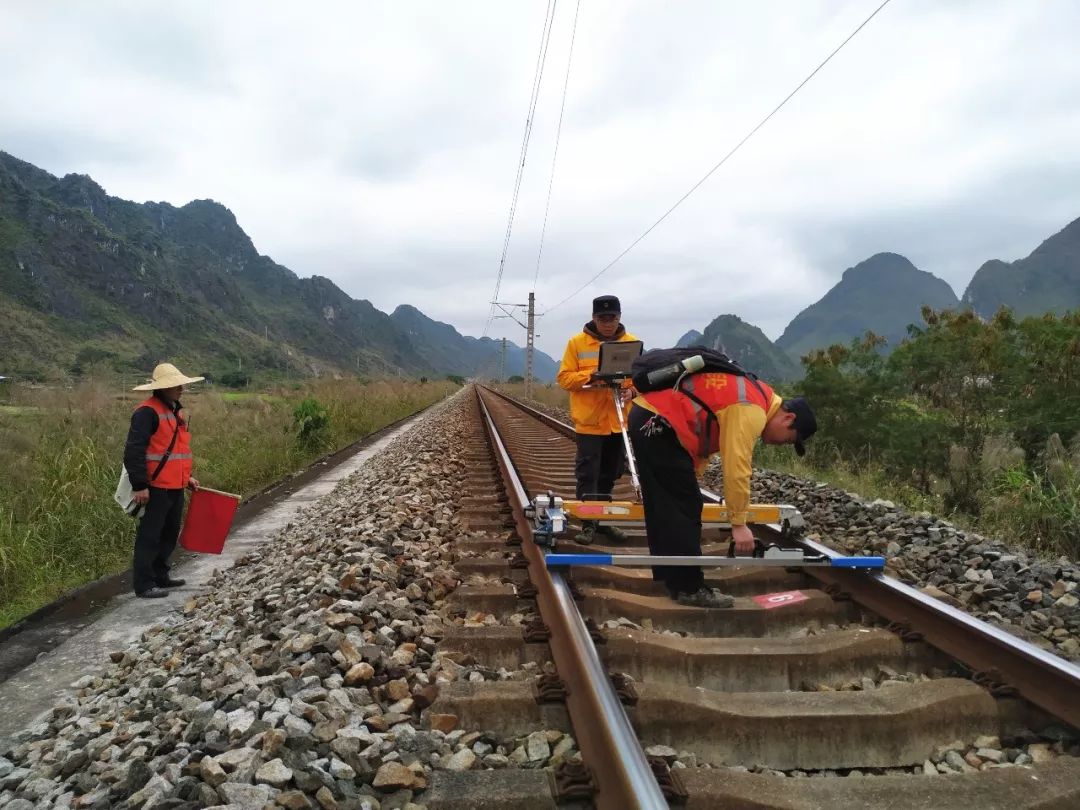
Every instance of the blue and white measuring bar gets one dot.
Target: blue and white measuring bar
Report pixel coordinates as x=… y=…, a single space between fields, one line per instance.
x=648 y=561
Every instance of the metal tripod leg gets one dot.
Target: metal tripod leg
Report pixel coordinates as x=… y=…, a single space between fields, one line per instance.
x=626 y=442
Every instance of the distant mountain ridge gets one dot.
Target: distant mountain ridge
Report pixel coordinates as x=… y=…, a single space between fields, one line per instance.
x=89 y=278
x=751 y=347
x=691 y=338
x=883 y=294
x=445 y=347
x=86 y=278
x=747 y=344
x=1048 y=280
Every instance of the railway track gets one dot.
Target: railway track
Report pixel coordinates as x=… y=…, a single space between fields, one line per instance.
x=860 y=693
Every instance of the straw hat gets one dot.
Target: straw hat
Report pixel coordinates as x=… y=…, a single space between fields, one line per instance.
x=166 y=375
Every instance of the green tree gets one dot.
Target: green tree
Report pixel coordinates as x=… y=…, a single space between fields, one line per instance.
x=851 y=394
x=956 y=365
x=1043 y=381
x=234 y=379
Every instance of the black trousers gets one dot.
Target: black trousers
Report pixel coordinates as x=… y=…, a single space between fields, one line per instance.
x=671 y=497
x=599 y=463
x=156 y=538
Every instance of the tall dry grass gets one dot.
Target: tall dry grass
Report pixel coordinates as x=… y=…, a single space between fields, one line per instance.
x=61 y=452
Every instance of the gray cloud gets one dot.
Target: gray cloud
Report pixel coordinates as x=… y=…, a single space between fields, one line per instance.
x=375 y=144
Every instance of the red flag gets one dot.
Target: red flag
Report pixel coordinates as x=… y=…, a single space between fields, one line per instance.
x=209 y=518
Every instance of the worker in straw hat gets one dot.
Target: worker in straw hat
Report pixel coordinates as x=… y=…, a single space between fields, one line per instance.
x=157 y=457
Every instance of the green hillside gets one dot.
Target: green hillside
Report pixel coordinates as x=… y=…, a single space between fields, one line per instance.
x=883 y=294
x=1046 y=281
x=89 y=280
x=751 y=347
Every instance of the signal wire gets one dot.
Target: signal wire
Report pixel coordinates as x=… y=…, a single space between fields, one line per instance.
x=558 y=136
x=541 y=59
x=723 y=160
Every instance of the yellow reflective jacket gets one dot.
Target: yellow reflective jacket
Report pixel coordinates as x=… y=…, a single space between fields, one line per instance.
x=592 y=410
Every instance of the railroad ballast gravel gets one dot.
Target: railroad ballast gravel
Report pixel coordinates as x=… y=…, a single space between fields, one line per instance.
x=300 y=678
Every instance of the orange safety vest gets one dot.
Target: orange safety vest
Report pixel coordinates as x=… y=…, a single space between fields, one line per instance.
x=699 y=433
x=177 y=469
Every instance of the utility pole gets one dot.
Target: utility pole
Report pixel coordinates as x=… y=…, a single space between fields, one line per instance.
x=529 y=341
x=530 y=333
x=502 y=362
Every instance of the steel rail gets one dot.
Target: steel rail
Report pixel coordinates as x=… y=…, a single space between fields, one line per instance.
x=1044 y=679
x=550 y=421
x=609 y=746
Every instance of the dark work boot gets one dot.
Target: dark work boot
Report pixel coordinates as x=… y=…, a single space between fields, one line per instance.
x=169 y=582
x=614 y=534
x=152 y=593
x=586 y=536
x=706 y=598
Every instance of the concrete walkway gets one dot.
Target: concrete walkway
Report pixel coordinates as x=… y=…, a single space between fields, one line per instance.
x=30 y=693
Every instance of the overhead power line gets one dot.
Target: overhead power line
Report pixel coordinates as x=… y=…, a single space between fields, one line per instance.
x=723 y=160
x=558 y=136
x=541 y=59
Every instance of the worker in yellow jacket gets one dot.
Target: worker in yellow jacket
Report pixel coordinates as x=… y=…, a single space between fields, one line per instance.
x=600 y=454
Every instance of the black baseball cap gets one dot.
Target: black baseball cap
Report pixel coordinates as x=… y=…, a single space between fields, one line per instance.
x=606 y=304
x=805 y=421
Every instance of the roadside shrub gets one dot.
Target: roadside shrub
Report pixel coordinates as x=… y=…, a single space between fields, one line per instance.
x=312 y=422
x=1042 y=512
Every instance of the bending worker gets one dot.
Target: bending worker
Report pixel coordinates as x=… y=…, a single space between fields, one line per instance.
x=157 y=457
x=600 y=454
x=673 y=437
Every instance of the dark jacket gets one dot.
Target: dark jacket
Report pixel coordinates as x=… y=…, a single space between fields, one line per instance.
x=144 y=423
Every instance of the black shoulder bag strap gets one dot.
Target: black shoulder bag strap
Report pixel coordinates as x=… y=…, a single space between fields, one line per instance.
x=165 y=458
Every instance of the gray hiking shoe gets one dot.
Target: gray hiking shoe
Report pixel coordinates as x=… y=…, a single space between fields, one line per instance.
x=706 y=598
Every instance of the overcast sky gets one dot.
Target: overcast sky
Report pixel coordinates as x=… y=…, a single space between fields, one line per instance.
x=376 y=143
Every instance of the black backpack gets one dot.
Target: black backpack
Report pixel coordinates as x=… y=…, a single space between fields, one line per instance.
x=716 y=362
